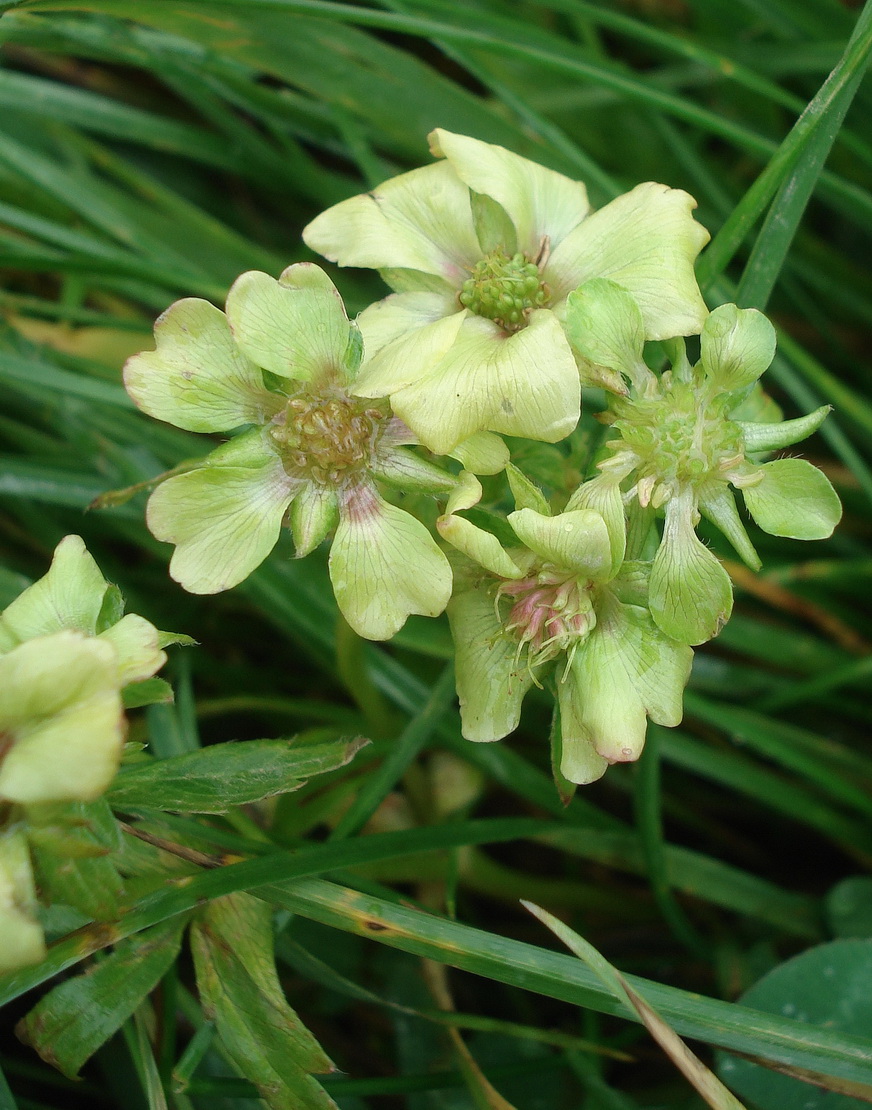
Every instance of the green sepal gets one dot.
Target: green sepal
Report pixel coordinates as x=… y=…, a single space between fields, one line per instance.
x=494 y=229
x=240 y=992
x=773 y=437
x=72 y=1021
x=111 y=611
x=313 y=514
x=221 y=776
x=717 y=503
x=565 y=789
x=794 y=499
x=151 y=691
x=527 y=494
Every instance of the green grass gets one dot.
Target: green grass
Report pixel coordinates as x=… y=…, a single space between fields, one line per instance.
x=155 y=150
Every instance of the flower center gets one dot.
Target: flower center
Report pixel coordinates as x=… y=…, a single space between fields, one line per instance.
x=326 y=439
x=551 y=614
x=680 y=439
x=505 y=289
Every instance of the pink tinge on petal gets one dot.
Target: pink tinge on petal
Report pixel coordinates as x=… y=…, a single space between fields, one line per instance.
x=360 y=504
x=397 y=433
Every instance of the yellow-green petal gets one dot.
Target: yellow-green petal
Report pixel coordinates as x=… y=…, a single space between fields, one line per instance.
x=604 y=326
x=483 y=547
x=736 y=346
x=576 y=541
x=295 y=327
x=23 y=942
x=384 y=566
x=541 y=204
x=794 y=499
x=137 y=648
x=421 y=220
x=60 y=710
x=646 y=241
x=524 y=384
x=197 y=378
x=403 y=340
x=224 y=521
x=491 y=679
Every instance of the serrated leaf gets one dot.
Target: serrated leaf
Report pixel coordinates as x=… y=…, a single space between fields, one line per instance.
x=71 y=1022
x=239 y=988
x=214 y=779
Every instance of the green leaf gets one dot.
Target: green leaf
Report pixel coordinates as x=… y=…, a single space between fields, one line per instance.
x=240 y=991
x=828 y=986
x=68 y=1026
x=216 y=778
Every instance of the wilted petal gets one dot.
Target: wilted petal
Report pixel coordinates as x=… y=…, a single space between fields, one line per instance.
x=384 y=566
x=604 y=325
x=625 y=672
x=690 y=594
x=60 y=704
x=540 y=203
x=224 y=518
x=421 y=220
x=408 y=354
x=524 y=384
x=295 y=327
x=646 y=241
x=69 y=596
x=794 y=499
x=23 y=940
x=197 y=378
x=736 y=346
x=491 y=681
x=577 y=540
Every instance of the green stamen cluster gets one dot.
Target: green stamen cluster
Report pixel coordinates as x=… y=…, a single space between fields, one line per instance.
x=677 y=437
x=504 y=289
x=326 y=440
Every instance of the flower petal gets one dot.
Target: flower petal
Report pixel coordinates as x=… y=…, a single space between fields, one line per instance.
x=59 y=699
x=690 y=594
x=295 y=327
x=602 y=494
x=404 y=338
x=137 y=651
x=482 y=453
x=403 y=469
x=577 y=541
x=736 y=347
x=23 y=940
x=384 y=566
x=625 y=672
x=542 y=204
x=646 y=241
x=794 y=499
x=421 y=220
x=477 y=544
x=524 y=384
x=197 y=378
x=224 y=519
x=69 y=596
x=491 y=682
x=604 y=325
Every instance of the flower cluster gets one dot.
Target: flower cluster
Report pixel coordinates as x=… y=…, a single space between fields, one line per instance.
x=67 y=655
x=509 y=296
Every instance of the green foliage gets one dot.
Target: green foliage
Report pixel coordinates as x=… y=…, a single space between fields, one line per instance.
x=155 y=151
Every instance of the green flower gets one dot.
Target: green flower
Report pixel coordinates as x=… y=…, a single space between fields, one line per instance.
x=560 y=598
x=482 y=250
x=681 y=443
x=283 y=359
x=21 y=938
